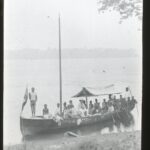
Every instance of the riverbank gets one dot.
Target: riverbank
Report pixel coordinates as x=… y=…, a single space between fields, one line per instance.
x=113 y=141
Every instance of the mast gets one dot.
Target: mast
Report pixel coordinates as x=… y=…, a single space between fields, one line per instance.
x=60 y=73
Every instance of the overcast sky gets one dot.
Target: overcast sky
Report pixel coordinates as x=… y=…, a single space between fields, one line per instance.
x=34 y=24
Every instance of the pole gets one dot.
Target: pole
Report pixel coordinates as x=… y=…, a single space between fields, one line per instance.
x=60 y=74
x=86 y=102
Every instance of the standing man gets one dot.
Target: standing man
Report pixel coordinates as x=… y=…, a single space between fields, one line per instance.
x=127 y=93
x=33 y=99
x=96 y=106
x=104 y=106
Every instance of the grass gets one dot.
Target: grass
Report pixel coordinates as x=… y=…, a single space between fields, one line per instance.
x=115 y=141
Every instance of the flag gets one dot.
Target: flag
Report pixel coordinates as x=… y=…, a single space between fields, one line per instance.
x=25 y=99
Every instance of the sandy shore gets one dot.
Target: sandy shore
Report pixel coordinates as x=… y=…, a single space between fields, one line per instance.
x=113 y=141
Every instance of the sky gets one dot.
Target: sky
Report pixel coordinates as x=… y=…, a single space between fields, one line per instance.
x=33 y=24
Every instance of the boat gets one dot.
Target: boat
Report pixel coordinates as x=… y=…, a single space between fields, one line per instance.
x=39 y=125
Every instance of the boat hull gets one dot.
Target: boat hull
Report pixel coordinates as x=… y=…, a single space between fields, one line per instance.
x=39 y=125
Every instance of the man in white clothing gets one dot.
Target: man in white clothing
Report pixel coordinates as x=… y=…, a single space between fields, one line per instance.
x=82 y=111
x=33 y=100
x=127 y=93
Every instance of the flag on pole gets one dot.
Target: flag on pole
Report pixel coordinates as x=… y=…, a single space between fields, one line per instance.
x=25 y=99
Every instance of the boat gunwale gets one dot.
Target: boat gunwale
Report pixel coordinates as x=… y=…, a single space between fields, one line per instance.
x=86 y=117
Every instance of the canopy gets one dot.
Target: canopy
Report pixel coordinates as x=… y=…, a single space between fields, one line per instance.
x=84 y=93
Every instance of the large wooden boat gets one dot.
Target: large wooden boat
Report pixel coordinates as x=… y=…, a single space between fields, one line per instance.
x=40 y=125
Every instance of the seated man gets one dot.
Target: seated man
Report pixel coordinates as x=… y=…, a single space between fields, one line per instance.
x=110 y=107
x=70 y=105
x=45 y=111
x=70 y=112
x=57 y=115
x=57 y=111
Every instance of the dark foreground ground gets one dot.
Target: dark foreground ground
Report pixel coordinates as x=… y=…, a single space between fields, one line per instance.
x=113 y=141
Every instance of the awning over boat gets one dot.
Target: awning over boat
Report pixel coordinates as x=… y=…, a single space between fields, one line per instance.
x=84 y=93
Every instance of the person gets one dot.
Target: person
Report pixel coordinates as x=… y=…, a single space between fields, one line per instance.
x=110 y=106
x=110 y=99
x=70 y=105
x=123 y=103
x=128 y=103
x=45 y=111
x=115 y=103
x=133 y=102
x=70 y=109
x=114 y=99
x=118 y=104
x=85 y=104
x=57 y=115
x=82 y=109
x=91 y=106
x=57 y=111
x=96 y=107
x=65 y=107
x=99 y=108
x=127 y=93
x=121 y=98
x=104 y=106
x=33 y=100
x=80 y=105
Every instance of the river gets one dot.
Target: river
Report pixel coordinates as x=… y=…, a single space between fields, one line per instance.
x=76 y=73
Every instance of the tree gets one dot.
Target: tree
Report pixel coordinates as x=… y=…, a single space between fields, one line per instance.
x=126 y=8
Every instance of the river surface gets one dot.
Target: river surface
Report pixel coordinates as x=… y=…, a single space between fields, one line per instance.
x=76 y=73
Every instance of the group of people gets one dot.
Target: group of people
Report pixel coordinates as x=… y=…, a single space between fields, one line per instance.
x=113 y=104
x=83 y=109
x=69 y=111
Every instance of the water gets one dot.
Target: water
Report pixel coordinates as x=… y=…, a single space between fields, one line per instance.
x=77 y=73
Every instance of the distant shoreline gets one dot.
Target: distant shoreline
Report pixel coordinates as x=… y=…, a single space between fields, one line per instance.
x=70 y=53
